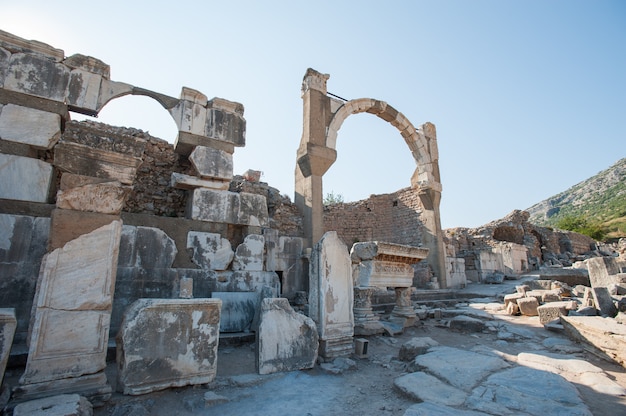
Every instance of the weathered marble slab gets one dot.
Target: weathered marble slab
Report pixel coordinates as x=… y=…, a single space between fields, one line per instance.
x=602 y=271
x=605 y=334
x=104 y=198
x=36 y=128
x=249 y=254
x=146 y=248
x=8 y=325
x=286 y=340
x=168 y=343
x=228 y=207
x=331 y=295
x=211 y=163
x=73 y=307
x=210 y=251
x=37 y=75
x=206 y=282
x=24 y=179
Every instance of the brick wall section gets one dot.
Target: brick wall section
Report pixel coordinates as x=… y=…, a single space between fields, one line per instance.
x=393 y=218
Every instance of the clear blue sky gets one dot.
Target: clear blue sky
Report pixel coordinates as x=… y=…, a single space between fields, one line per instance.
x=529 y=97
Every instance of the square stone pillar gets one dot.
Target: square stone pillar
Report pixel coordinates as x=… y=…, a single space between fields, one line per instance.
x=331 y=296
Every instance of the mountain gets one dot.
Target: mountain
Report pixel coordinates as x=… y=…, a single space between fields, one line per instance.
x=600 y=200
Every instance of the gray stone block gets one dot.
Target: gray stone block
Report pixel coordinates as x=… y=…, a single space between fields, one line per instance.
x=211 y=163
x=210 y=251
x=286 y=340
x=602 y=271
x=168 y=343
x=24 y=178
x=36 y=128
x=37 y=75
x=249 y=254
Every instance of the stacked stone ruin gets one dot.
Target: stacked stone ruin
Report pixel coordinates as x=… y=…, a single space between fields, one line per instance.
x=106 y=231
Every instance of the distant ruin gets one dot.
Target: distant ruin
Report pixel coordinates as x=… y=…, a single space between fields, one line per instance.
x=95 y=220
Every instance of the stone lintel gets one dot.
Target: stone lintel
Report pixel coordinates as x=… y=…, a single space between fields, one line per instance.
x=186 y=142
x=390 y=252
x=38 y=103
x=84 y=160
x=182 y=181
x=380 y=273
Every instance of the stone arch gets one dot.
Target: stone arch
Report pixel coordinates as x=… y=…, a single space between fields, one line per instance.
x=323 y=117
x=425 y=176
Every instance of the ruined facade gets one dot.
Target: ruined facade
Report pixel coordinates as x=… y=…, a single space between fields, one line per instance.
x=97 y=222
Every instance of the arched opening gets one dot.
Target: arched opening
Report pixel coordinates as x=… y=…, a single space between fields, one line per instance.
x=136 y=111
x=372 y=158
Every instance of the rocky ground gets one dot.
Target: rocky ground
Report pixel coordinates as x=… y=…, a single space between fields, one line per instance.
x=492 y=364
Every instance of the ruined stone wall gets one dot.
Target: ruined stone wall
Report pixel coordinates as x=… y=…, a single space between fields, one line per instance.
x=393 y=218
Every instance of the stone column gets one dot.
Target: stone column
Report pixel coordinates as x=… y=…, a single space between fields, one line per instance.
x=331 y=296
x=366 y=322
x=404 y=309
x=314 y=158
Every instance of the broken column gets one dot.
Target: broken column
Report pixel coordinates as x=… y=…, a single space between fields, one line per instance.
x=286 y=340
x=382 y=265
x=167 y=343
x=331 y=296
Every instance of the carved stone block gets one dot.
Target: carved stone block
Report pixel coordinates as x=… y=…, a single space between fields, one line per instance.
x=168 y=343
x=286 y=340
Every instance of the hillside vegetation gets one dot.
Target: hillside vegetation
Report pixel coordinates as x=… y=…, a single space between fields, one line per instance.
x=595 y=207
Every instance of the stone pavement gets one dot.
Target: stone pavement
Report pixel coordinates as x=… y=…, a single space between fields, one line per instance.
x=490 y=363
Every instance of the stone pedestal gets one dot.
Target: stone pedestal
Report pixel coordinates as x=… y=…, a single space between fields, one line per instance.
x=331 y=296
x=403 y=309
x=366 y=322
x=384 y=265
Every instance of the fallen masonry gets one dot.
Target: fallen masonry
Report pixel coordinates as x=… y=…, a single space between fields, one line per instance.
x=137 y=275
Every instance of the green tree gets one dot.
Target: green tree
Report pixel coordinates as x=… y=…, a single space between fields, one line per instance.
x=582 y=225
x=332 y=198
